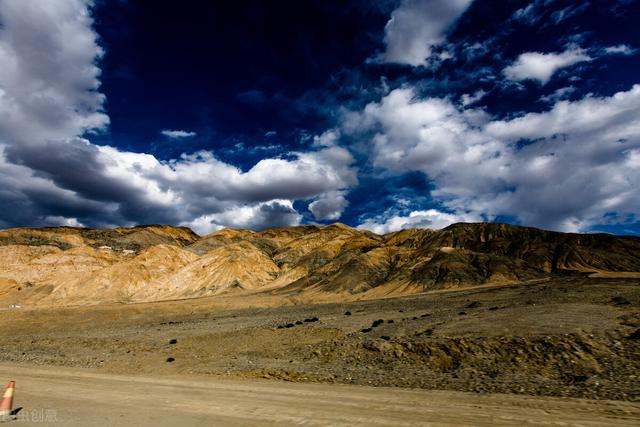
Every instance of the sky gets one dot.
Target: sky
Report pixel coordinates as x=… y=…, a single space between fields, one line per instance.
x=382 y=115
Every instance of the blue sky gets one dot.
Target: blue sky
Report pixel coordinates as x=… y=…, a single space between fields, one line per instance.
x=382 y=115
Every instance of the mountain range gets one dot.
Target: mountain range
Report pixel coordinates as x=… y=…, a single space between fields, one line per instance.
x=76 y=266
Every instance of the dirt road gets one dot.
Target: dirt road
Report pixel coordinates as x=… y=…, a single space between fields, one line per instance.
x=77 y=397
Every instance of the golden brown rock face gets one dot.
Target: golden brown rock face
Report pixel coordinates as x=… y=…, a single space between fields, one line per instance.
x=67 y=266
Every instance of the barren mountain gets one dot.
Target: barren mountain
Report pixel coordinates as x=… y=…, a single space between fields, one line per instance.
x=71 y=266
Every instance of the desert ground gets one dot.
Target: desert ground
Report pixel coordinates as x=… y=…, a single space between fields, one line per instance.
x=572 y=342
x=474 y=324
x=78 y=397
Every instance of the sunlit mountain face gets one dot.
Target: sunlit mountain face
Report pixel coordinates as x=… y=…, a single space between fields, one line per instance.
x=382 y=115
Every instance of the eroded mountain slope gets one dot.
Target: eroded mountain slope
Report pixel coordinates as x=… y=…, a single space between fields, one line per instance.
x=66 y=266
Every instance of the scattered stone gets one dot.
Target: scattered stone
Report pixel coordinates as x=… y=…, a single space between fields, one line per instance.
x=298 y=322
x=398 y=353
x=620 y=301
x=493 y=308
x=390 y=321
x=462 y=313
x=382 y=347
x=377 y=323
x=173 y=341
x=635 y=335
x=365 y=330
x=170 y=359
x=414 y=318
x=347 y=313
x=426 y=315
x=385 y=337
x=312 y=319
x=289 y=325
x=474 y=304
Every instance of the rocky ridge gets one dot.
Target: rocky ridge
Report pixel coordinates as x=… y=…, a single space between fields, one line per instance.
x=78 y=266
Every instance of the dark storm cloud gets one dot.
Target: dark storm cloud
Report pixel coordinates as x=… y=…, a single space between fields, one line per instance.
x=274 y=215
x=73 y=165
x=80 y=168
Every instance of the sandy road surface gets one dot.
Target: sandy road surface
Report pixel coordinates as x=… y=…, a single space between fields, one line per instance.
x=75 y=397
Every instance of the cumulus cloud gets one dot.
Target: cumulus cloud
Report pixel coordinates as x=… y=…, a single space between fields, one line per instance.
x=431 y=218
x=564 y=169
x=48 y=80
x=329 y=207
x=276 y=213
x=541 y=66
x=413 y=134
x=51 y=173
x=418 y=25
x=177 y=134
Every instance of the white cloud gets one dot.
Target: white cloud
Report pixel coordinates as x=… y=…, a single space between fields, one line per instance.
x=50 y=175
x=575 y=167
x=558 y=94
x=62 y=221
x=541 y=66
x=545 y=12
x=177 y=134
x=431 y=218
x=329 y=207
x=526 y=14
x=48 y=79
x=202 y=179
x=416 y=134
x=468 y=99
x=568 y=12
x=621 y=49
x=418 y=25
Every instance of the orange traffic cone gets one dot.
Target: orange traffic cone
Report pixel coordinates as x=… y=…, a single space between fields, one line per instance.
x=6 y=405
